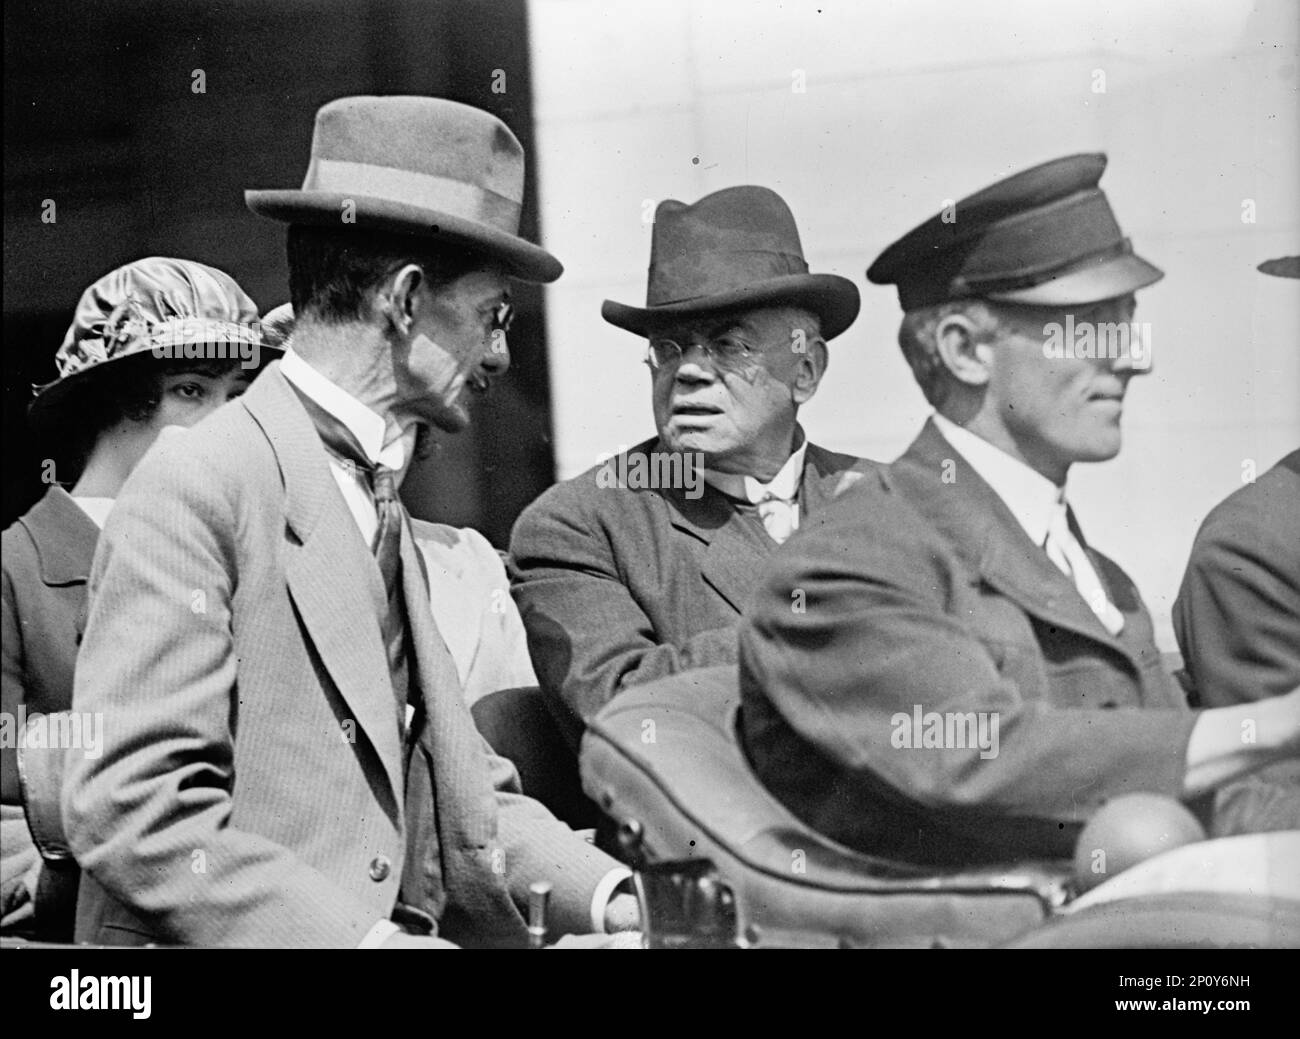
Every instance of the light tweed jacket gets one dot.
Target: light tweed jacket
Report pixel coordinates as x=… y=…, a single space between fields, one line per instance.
x=250 y=790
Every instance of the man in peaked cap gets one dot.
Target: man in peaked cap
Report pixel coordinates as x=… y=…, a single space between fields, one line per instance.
x=639 y=567
x=290 y=760
x=970 y=680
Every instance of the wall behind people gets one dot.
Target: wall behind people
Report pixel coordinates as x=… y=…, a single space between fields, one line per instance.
x=143 y=122
x=867 y=117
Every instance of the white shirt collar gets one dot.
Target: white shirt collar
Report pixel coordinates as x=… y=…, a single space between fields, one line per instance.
x=784 y=485
x=1032 y=498
x=366 y=425
x=96 y=508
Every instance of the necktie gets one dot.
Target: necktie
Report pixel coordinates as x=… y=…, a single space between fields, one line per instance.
x=1064 y=550
x=343 y=444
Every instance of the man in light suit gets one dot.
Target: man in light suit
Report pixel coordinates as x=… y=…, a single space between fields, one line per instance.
x=639 y=567
x=288 y=759
x=968 y=681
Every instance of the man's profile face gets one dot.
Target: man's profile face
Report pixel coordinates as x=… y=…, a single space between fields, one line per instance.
x=456 y=349
x=730 y=406
x=1059 y=409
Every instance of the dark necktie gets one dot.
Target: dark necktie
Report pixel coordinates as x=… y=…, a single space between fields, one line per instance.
x=343 y=444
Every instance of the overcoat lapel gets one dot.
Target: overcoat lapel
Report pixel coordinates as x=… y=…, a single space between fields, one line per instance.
x=734 y=554
x=466 y=800
x=64 y=536
x=330 y=572
x=980 y=526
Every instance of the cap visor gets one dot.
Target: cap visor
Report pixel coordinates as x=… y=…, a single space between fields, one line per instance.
x=1114 y=277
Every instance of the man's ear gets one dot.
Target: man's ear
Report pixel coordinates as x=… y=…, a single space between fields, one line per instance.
x=400 y=296
x=810 y=366
x=967 y=360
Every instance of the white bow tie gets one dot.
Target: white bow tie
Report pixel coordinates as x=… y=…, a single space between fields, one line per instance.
x=780 y=516
x=777 y=501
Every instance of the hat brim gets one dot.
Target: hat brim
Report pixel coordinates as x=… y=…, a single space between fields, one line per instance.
x=1117 y=276
x=1282 y=267
x=54 y=401
x=521 y=259
x=833 y=299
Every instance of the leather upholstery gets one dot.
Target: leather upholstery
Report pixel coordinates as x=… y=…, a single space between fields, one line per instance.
x=666 y=755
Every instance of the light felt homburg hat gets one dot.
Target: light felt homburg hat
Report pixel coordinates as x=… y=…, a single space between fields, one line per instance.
x=1045 y=237
x=419 y=166
x=156 y=307
x=736 y=249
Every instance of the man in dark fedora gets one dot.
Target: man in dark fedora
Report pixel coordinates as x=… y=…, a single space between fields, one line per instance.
x=289 y=760
x=1237 y=615
x=639 y=567
x=970 y=680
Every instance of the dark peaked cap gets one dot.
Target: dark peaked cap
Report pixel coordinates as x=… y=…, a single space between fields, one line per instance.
x=1045 y=236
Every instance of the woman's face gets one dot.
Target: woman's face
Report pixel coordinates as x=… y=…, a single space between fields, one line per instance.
x=186 y=397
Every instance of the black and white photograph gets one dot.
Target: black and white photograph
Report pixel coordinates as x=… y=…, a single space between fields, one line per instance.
x=674 y=475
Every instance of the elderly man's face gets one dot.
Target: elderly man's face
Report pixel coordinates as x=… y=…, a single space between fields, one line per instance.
x=456 y=349
x=737 y=402
x=1058 y=410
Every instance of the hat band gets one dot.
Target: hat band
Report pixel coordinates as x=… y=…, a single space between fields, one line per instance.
x=927 y=293
x=407 y=187
x=963 y=286
x=164 y=336
x=695 y=276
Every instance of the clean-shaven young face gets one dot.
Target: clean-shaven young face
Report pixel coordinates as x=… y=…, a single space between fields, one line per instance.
x=1054 y=411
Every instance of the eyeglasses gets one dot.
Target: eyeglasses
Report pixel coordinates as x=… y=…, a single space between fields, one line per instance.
x=726 y=352
x=502 y=317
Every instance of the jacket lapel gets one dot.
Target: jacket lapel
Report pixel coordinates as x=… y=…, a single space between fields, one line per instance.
x=64 y=536
x=982 y=529
x=825 y=477
x=734 y=554
x=330 y=572
x=466 y=800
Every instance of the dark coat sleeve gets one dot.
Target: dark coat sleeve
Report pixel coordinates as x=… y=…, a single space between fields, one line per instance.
x=882 y=629
x=1237 y=615
x=588 y=635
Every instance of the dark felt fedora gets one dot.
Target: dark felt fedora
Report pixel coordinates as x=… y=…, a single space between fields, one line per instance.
x=1045 y=236
x=420 y=166
x=737 y=249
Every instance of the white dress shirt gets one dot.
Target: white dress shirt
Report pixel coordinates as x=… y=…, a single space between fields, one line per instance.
x=1039 y=506
x=369 y=428
x=96 y=508
x=777 y=500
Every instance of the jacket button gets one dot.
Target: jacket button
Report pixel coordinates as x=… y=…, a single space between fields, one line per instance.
x=380 y=867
